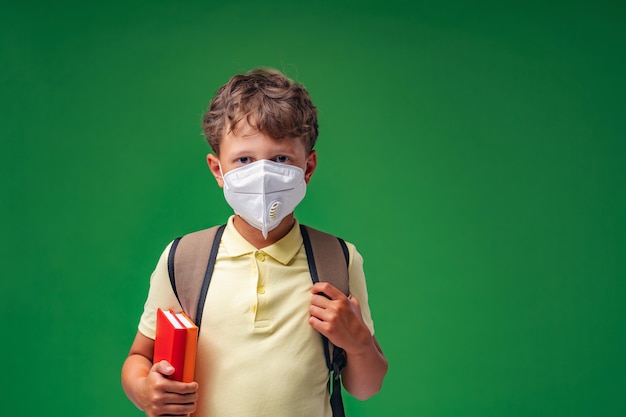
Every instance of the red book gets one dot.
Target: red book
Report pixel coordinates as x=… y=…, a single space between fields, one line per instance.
x=169 y=345
x=190 y=347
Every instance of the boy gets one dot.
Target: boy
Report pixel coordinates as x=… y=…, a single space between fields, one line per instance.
x=259 y=350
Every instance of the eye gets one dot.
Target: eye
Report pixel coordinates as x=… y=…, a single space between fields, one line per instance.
x=281 y=158
x=243 y=160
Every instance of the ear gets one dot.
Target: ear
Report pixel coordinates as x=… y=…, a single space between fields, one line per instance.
x=214 y=166
x=311 y=164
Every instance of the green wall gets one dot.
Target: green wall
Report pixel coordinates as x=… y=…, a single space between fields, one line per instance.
x=473 y=151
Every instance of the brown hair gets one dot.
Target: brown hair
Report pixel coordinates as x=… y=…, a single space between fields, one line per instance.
x=268 y=101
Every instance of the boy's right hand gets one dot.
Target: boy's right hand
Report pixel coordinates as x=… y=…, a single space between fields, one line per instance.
x=161 y=396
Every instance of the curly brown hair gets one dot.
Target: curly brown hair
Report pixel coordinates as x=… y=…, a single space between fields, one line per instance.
x=268 y=101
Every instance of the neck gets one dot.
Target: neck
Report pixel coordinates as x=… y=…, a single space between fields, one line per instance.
x=254 y=235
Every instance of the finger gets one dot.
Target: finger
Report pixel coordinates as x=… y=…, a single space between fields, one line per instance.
x=318 y=325
x=173 y=404
x=183 y=388
x=319 y=313
x=331 y=291
x=320 y=300
x=163 y=368
x=179 y=409
x=324 y=328
x=329 y=316
x=179 y=398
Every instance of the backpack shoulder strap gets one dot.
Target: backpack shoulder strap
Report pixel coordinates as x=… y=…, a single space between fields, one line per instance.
x=328 y=260
x=331 y=259
x=190 y=267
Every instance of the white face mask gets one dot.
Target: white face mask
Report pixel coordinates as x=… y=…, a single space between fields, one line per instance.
x=264 y=192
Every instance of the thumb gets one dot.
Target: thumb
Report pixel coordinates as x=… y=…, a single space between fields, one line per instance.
x=163 y=367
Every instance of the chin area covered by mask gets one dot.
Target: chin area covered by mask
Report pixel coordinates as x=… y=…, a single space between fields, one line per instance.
x=264 y=192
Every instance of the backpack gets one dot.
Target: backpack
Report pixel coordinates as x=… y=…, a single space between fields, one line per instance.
x=190 y=266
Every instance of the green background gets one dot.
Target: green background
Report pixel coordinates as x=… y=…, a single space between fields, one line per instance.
x=473 y=151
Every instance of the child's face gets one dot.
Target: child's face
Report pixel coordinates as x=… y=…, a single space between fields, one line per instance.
x=249 y=145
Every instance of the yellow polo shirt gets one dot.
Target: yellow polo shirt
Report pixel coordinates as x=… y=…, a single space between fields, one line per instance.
x=257 y=354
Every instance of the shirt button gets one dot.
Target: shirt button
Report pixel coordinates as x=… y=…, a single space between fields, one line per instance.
x=261 y=289
x=260 y=256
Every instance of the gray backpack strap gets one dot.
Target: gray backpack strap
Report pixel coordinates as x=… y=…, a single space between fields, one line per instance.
x=190 y=266
x=325 y=264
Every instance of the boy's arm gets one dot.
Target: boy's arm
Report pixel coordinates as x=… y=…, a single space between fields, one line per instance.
x=339 y=319
x=365 y=370
x=146 y=386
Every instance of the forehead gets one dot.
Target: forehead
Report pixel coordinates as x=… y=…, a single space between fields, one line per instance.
x=246 y=134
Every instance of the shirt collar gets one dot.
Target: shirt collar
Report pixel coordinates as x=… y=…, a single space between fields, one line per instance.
x=283 y=251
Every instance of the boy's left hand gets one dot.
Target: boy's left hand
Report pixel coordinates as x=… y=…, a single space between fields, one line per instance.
x=338 y=318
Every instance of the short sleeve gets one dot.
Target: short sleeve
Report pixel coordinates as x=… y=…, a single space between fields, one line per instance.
x=358 y=287
x=160 y=295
